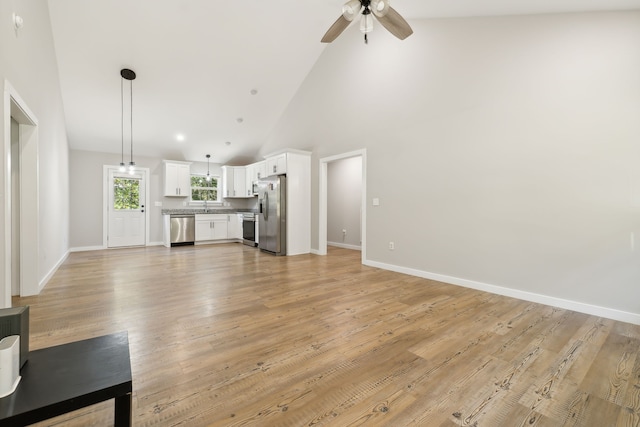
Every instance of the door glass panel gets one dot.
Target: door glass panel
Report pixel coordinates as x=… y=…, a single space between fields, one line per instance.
x=126 y=193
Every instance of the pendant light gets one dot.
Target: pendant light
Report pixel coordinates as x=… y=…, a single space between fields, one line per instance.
x=208 y=178
x=366 y=22
x=122 y=165
x=127 y=74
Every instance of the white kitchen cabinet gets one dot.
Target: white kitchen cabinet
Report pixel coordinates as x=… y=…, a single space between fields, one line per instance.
x=260 y=170
x=166 y=230
x=250 y=172
x=227 y=181
x=240 y=182
x=177 y=178
x=234 y=227
x=256 y=171
x=277 y=165
x=212 y=227
x=234 y=182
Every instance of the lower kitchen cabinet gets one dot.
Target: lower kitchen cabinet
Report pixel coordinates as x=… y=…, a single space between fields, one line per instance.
x=212 y=227
x=234 y=228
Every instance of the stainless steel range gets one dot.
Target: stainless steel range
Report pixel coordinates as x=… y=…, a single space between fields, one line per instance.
x=249 y=228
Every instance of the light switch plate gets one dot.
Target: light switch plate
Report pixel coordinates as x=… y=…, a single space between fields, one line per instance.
x=376 y=201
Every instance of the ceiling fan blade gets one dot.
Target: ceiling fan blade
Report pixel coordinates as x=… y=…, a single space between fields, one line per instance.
x=395 y=24
x=336 y=29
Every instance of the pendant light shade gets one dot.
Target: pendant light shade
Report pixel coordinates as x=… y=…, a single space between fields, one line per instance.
x=366 y=22
x=208 y=178
x=129 y=75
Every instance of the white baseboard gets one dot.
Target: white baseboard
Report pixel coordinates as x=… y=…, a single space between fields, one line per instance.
x=87 y=248
x=216 y=242
x=100 y=248
x=51 y=272
x=344 y=246
x=315 y=252
x=609 y=313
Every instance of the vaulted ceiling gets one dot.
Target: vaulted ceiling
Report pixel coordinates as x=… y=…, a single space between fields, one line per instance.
x=216 y=74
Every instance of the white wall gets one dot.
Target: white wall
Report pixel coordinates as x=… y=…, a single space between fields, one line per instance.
x=513 y=141
x=28 y=63
x=344 y=200
x=86 y=195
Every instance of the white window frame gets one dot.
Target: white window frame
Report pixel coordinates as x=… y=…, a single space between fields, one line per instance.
x=217 y=202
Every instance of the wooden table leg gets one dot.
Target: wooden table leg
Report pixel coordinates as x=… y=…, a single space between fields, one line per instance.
x=122 y=416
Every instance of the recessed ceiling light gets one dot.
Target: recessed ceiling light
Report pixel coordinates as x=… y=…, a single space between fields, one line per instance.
x=254 y=91
x=239 y=120
x=180 y=137
x=228 y=143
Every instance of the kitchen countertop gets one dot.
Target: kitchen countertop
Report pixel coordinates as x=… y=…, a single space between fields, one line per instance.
x=200 y=211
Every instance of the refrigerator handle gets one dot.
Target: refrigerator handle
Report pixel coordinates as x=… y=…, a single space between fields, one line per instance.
x=265 y=211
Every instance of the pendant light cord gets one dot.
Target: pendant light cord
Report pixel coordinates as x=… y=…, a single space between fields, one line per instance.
x=127 y=74
x=131 y=83
x=122 y=120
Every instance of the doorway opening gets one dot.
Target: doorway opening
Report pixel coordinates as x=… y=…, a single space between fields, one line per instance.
x=20 y=155
x=324 y=197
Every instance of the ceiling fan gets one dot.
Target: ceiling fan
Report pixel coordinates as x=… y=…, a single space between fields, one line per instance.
x=385 y=14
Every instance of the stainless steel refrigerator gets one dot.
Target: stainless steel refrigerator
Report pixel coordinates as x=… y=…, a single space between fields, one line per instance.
x=272 y=208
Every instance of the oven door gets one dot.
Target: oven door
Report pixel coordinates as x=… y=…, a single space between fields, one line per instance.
x=249 y=231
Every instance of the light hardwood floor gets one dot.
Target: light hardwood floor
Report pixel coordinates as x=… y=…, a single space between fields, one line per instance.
x=224 y=335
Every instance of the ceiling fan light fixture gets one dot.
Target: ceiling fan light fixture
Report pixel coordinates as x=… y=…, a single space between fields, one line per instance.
x=351 y=9
x=366 y=23
x=387 y=16
x=380 y=7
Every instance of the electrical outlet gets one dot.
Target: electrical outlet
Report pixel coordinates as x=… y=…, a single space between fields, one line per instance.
x=344 y=231
x=392 y=246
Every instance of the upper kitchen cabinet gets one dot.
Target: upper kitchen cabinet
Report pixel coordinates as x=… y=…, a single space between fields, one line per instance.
x=255 y=171
x=177 y=178
x=259 y=170
x=277 y=164
x=234 y=182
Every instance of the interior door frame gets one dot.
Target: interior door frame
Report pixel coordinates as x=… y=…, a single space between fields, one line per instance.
x=14 y=106
x=105 y=203
x=322 y=202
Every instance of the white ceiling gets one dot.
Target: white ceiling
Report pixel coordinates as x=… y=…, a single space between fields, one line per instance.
x=198 y=60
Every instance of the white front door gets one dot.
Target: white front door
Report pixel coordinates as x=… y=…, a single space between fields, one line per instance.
x=126 y=209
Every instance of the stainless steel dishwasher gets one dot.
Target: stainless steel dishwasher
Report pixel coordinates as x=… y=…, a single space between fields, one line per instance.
x=183 y=229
